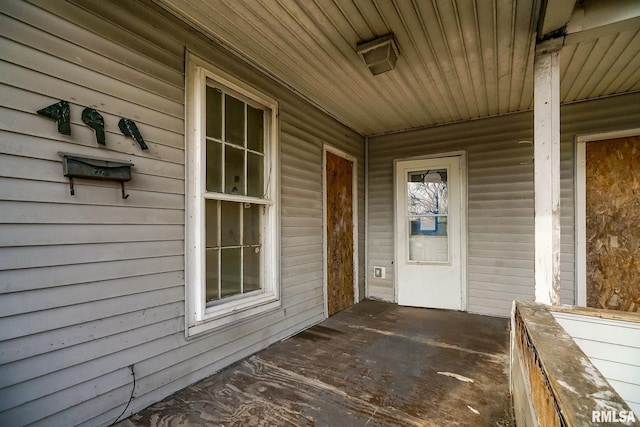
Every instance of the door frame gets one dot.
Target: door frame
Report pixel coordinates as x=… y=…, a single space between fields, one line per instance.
x=581 y=206
x=354 y=200
x=464 y=219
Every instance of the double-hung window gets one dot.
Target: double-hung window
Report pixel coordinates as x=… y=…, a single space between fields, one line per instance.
x=231 y=241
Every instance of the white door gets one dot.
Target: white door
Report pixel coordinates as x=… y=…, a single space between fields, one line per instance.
x=428 y=233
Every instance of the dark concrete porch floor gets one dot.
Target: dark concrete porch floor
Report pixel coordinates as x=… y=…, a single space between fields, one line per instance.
x=374 y=364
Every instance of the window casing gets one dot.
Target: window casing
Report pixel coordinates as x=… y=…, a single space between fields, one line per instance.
x=231 y=159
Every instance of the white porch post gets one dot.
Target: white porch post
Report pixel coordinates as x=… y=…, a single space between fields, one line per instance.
x=547 y=171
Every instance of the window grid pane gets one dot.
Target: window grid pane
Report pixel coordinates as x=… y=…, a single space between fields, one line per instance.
x=234 y=176
x=251 y=268
x=235 y=159
x=233 y=249
x=255 y=129
x=212 y=275
x=214 y=166
x=235 y=147
x=234 y=120
x=212 y=252
x=230 y=272
x=255 y=175
x=214 y=112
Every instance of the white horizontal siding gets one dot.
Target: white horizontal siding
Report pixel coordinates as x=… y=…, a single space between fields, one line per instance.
x=613 y=346
x=92 y=284
x=500 y=197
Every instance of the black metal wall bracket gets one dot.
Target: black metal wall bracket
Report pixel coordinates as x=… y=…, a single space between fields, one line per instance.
x=75 y=166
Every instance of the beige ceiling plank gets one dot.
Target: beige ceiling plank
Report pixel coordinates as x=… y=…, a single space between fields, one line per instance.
x=627 y=48
x=632 y=83
x=403 y=19
x=609 y=47
x=461 y=56
x=591 y=70
x=473 y=38
x=526 y=99
x=635 y=87
x=566 y=53
x=403 y=78
x=370 y=14
x=258 y=40
x=339 y=10
x=524 y=39
x=447 y=109
x=488 y=41
x=447 y=26
x=573 y=73
x=505 y=29
x=344 y=63
x=629 y=72
x=433 y=24
x=227 y=28
x=310 y=64
x=314 y=20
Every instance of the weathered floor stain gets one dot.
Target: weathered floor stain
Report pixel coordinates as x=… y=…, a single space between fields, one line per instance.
x=374 y=364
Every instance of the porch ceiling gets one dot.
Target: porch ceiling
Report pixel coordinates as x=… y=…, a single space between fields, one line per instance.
x=459 y=60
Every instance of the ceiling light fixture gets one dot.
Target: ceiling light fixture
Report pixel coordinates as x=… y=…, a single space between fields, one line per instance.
x=380 y=54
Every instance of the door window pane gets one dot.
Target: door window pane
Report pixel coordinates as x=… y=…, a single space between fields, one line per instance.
x=427 y=210
x=427 y=192
x=234 y=120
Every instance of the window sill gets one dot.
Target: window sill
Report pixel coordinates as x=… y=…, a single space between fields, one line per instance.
x=233 y=312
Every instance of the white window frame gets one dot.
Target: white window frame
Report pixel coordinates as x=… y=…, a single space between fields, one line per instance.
x=198 y=317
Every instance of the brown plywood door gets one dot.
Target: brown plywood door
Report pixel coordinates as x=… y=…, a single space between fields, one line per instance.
x=613 y=223
x=339 y=189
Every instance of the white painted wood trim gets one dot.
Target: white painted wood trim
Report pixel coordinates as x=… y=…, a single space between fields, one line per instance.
x=581 y=205
x=623 y=133
x=547 y=176
x=366 y=217
x=581 y=225
x=354 y=196
x=396 y=166
x=464 y=219
x=325 y=287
